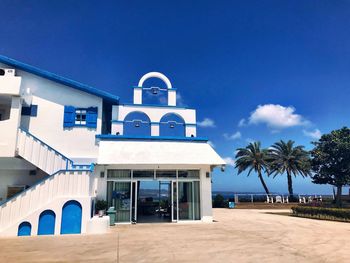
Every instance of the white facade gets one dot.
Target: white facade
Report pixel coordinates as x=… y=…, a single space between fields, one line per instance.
x=62 y=142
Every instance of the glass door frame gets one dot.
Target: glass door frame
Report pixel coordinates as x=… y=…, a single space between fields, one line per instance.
x=173 y=181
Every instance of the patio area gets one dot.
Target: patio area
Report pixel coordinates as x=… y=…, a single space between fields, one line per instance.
x=236 y=236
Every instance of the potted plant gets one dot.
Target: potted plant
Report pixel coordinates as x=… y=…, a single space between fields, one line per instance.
x=101 y=207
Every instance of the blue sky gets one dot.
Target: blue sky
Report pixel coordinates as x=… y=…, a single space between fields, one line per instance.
x=225 y=58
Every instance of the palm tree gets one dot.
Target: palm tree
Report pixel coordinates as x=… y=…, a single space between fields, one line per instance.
x=285 y=158
x=254 y=158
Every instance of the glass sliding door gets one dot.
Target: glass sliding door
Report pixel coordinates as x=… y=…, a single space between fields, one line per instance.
x=119 y=196
x=185 y=201
x=174 y=199
x=189 y=203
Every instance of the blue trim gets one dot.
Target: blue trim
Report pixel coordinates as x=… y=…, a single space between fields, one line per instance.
x=154 y=122
x=59 y=79
x=40 y=181
x=149 y=138
x=153 y=106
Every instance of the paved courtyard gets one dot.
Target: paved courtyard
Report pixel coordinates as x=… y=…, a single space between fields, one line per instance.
x=236 y=236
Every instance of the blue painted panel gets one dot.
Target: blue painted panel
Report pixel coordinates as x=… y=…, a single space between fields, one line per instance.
x=24 y=229
x=69 y=116
x=172 y=124
x=47 y=223
x=137 y=123
x=91 y=117
x=71 y=218
x=32 y=110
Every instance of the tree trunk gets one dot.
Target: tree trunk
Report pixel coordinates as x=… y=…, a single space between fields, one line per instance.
x=290 y=185
x=263 y=183
x=338 y=197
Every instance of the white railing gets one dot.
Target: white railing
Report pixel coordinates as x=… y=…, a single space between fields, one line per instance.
x=60 y=184
x=41 y=154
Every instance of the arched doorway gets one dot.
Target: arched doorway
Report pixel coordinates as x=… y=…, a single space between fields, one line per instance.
x=71 y=218
x=24 y=229
x=47 y=223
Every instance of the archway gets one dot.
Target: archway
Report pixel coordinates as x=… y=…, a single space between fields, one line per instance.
x=71 y=218
x=24 y=229
x=47 y=223
x=172 y=124
x=137 y=123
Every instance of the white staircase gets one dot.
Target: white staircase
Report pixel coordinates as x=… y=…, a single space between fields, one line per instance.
x=66 y=181
x=40 y=154
x=30 y=203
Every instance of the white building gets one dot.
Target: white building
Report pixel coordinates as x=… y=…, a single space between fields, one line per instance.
x=65 y=145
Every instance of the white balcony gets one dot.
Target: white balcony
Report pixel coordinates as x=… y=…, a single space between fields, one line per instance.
x=10 y=85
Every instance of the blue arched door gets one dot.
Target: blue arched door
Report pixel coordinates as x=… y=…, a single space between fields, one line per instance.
x=24 y=229
x=47 y=223
x=71 y=218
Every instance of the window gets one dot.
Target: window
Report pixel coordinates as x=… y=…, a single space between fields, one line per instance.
x=80 y=117
x=86 y=117
x=143 y=174
x=166 y=174
x=193 y=174
x=32 y=111
x=118 y=174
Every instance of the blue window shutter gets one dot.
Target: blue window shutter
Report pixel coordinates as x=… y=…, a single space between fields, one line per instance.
x=69 y=116
x=91 y=117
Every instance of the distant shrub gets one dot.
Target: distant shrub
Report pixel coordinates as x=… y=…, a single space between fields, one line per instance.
x=338 y=214
x=219 y=201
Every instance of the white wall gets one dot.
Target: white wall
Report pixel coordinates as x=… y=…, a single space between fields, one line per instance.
x=17 y=177
x=51 y=98
x=8 y=129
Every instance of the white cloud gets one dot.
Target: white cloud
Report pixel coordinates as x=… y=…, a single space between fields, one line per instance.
x=229 y=161
x=316 y=134
x=206 y=123
x=276 y=116
x=233 y=136
x=242 y=123
x=211 y=144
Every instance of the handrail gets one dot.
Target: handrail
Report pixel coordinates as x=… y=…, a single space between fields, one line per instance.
x=48 y=146
x=39 y=182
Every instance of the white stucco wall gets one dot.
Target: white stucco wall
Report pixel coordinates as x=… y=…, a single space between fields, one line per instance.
x=8 y=129
x=51 y=98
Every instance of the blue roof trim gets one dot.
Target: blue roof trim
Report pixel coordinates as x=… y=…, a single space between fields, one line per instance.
x=110 y=137
x=154 y=106
x=59 y=79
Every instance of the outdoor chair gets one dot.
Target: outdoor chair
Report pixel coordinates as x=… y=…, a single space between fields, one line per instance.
x=302 y=200
x=278 y=199
x=286 y=199
x=269 y=200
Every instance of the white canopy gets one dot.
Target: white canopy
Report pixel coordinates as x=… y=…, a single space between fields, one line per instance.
x=158 y=152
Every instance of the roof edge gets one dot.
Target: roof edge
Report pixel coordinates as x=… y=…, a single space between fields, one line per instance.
x=59 y=79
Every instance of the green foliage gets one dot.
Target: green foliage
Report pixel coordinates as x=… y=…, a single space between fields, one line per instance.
x=322 y=213
x=101 y=205
x=283 y=157
x=219 y=201
x=253 y=158
x=331 y=160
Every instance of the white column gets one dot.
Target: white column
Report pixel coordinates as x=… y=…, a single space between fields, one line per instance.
x=154 y=129
x=138 y=95
x=171 y=97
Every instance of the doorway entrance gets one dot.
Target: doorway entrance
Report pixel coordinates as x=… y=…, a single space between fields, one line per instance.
x=153 y=201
